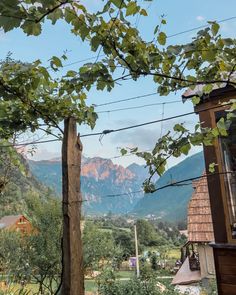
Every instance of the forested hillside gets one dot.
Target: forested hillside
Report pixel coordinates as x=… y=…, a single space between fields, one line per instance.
x=20 y=184
x=171 y=202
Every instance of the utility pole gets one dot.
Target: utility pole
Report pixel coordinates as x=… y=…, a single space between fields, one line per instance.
x=136 y=250
x=72 y=256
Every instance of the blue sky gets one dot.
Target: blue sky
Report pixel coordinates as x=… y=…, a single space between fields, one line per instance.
x=181 y=15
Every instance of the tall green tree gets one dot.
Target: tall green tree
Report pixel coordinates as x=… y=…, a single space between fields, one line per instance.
x=30 y=99
x=35 y=258
x=125 y=240
x=147 y=234
x=208 y=60
x=43 y=245
x=100 y=249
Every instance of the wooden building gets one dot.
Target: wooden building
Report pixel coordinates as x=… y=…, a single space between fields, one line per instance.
x=199 y=263
x=200 y=227
x=16 y=223
x=221 y=183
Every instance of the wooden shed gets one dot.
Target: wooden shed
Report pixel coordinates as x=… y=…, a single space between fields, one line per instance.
x=200 y=234
x=200 y=227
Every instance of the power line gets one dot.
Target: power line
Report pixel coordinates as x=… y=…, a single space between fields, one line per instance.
x=162 y=116
x=105 y=132
x=82 y=60
x=127 y=155
x=29 y=143
x=138 y=107
x=173 y=184
x=200 y=27
x=125 y=99
x=169 y=36
x=181 y=182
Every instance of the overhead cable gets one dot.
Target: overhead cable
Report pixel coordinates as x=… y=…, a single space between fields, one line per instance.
x=138 y=107
x=172 y=184
x=169 y=36
x=108 y=131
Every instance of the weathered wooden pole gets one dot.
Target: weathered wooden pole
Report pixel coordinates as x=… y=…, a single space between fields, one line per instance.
x=72 y=260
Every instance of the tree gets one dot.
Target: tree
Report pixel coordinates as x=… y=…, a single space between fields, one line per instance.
x=11 y=255
x=209 y=57
x=108 y=284
x=39 y=99
x=43 y=247
x=100 y=250
x=35 y=258
x=147 y=235
x=9 y=161
x=125 y=241
x=153 y=260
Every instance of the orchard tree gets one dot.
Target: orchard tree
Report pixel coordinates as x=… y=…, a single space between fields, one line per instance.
x=30 y=99
x=148 y=235
x=43 y=249
x=100 y=249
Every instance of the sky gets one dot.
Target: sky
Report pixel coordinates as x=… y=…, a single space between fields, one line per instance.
x=181 y=15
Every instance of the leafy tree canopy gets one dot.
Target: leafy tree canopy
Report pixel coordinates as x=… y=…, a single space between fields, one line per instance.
x=100 y=249
x=147 y=234
x=29 y=90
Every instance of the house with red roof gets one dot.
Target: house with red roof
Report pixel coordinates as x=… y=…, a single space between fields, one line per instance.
x=17 y=223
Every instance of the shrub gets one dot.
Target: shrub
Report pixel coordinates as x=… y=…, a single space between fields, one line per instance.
x=108 y=285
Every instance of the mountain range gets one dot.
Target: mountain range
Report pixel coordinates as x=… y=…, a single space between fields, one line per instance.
x=101 y=180
x=171 y=202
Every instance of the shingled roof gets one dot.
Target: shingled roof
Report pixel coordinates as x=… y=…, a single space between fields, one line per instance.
x=8 y=221
x=200 y=227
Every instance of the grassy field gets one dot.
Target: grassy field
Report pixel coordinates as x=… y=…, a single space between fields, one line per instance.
x=30 y=289
x=90 y=285
x=125 y=274
x=174 y=253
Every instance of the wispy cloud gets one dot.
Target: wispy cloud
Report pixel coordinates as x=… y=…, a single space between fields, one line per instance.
x=200 y=18
x=143 y=138
x=43 y=154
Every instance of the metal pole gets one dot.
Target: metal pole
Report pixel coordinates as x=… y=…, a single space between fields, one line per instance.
x=136 y=250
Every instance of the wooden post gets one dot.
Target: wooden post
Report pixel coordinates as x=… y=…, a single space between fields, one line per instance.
x=72 y=260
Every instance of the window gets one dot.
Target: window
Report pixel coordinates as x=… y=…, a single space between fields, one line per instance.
x=22 y=221
x=228 y=152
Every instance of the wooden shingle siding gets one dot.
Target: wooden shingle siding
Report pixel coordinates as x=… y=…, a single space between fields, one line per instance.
x=200 y=227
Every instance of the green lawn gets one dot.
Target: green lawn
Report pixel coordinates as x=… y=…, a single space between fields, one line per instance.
x=174 y=253
x=125 y=274
x=90 y=285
